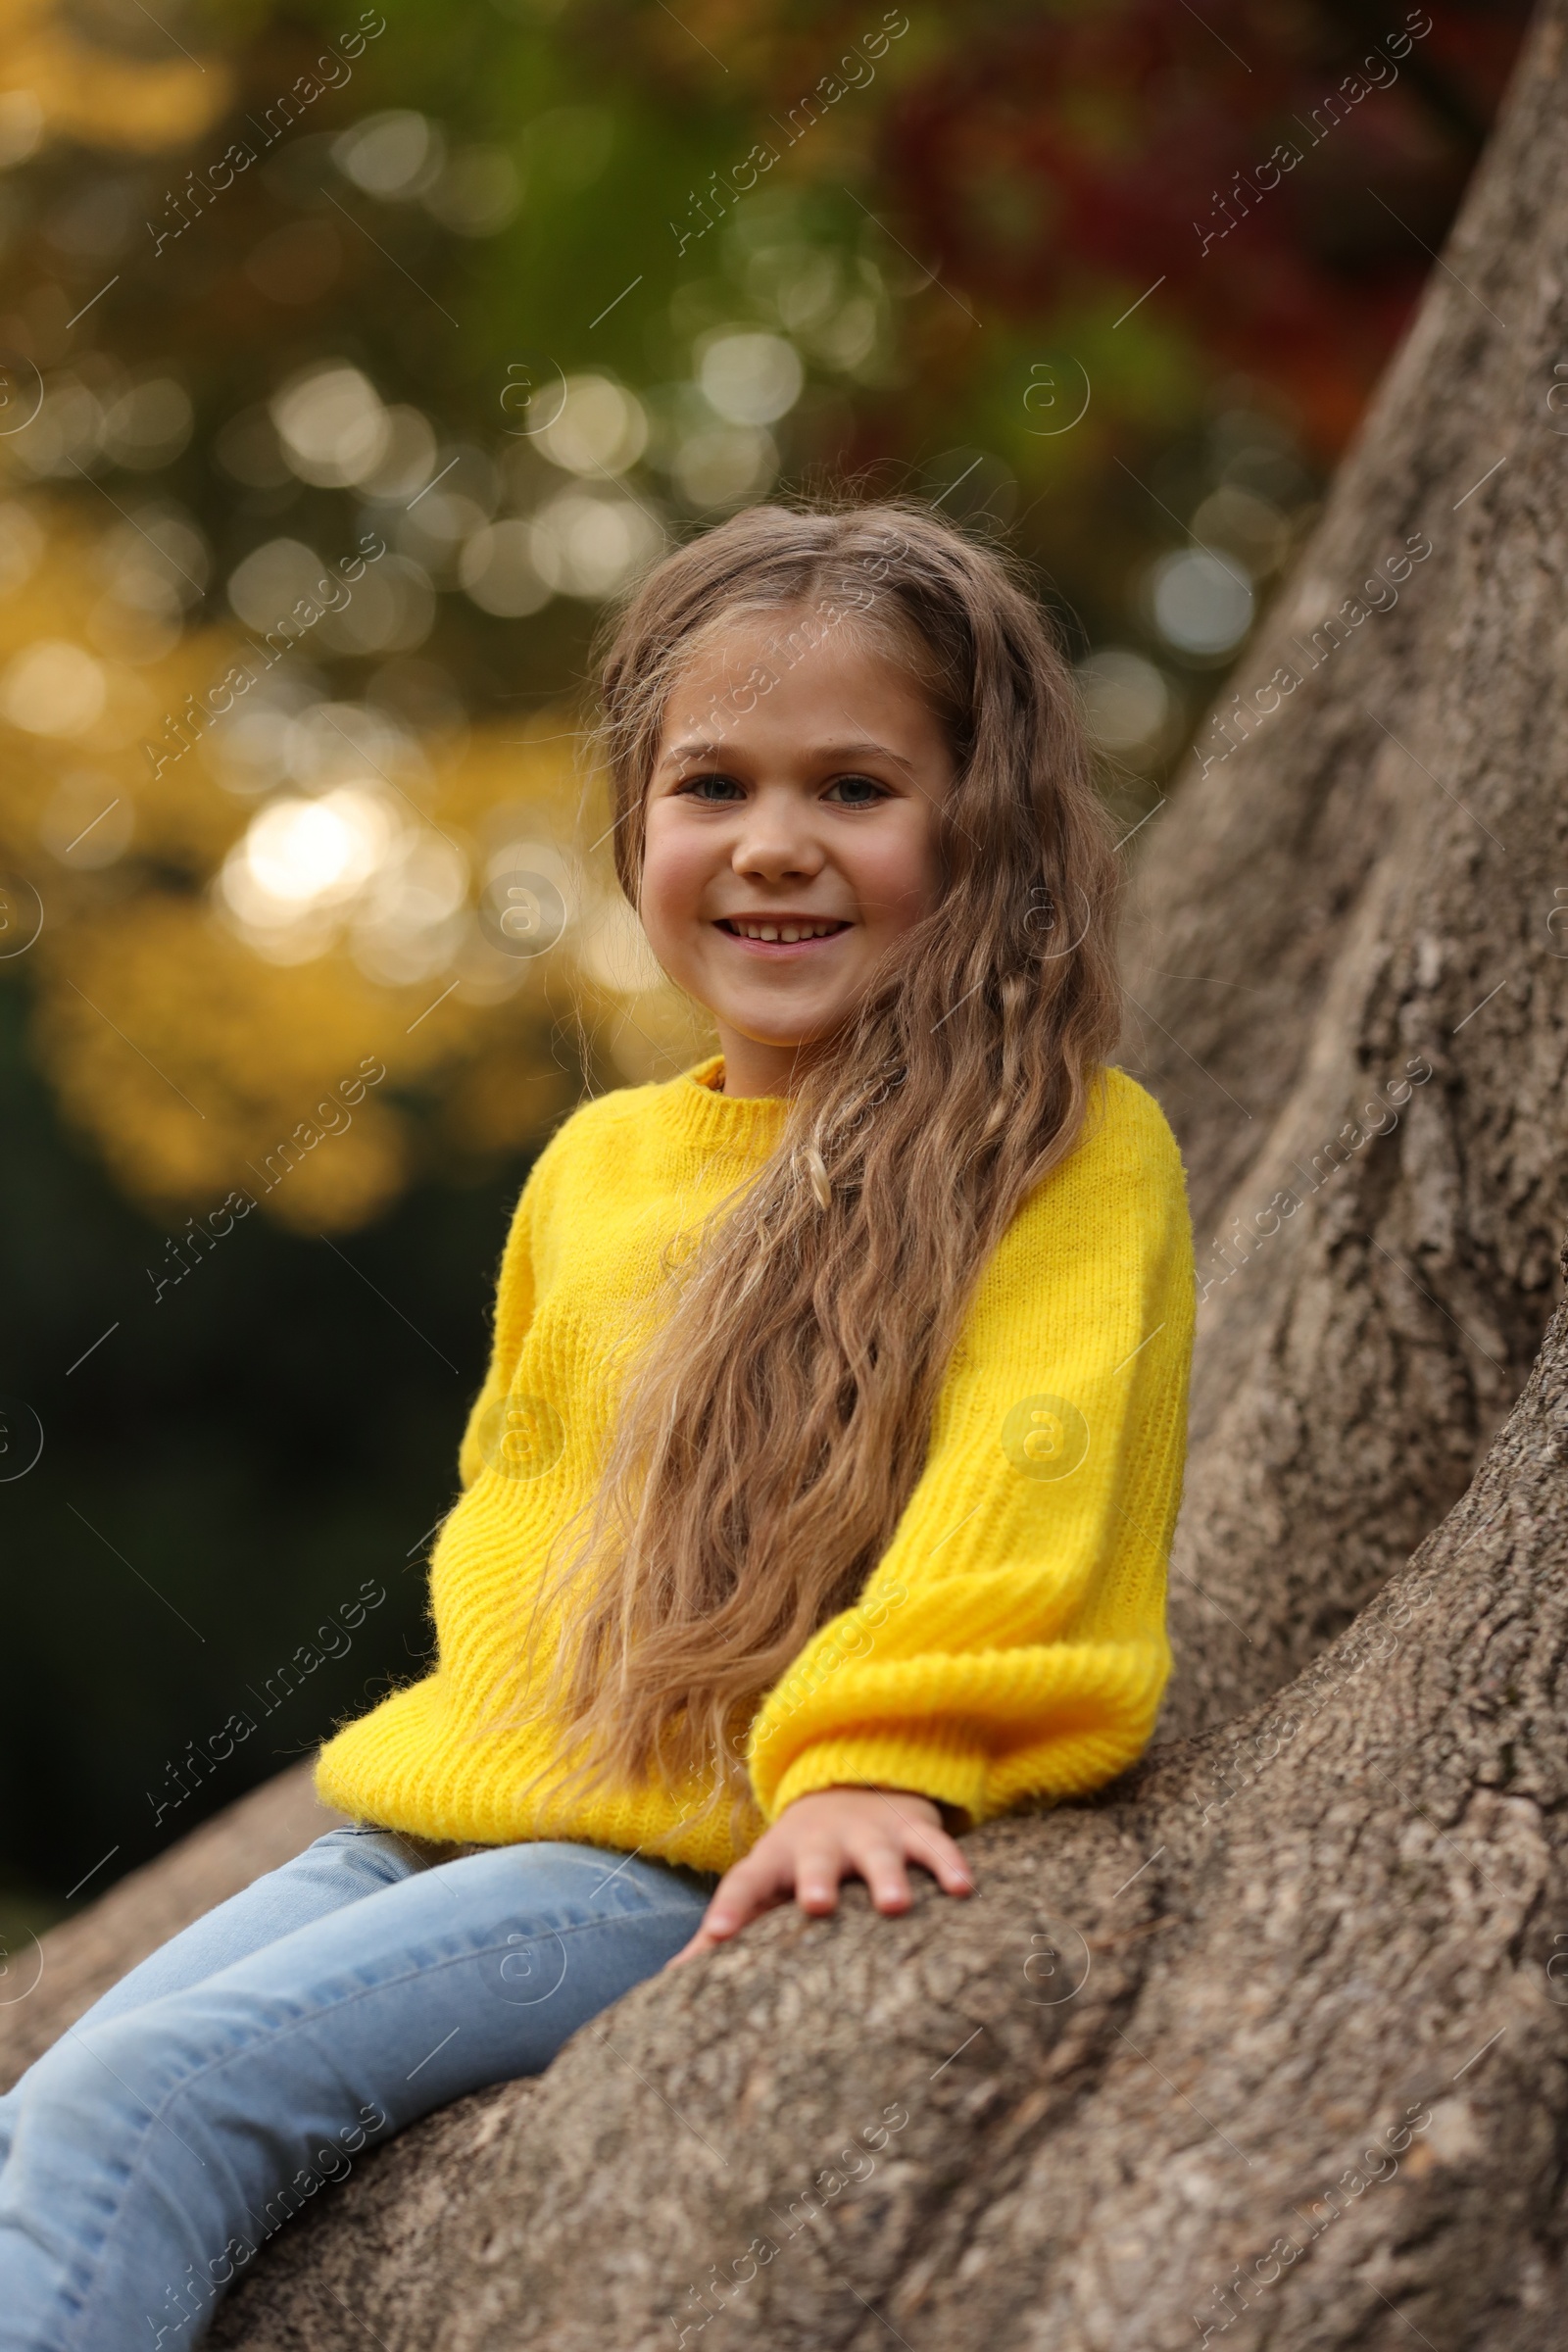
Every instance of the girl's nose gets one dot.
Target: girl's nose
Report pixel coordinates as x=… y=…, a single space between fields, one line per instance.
x=776 y=840
x=775 y=854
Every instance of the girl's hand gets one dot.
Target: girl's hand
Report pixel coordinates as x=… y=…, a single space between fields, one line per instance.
x=872 y=1833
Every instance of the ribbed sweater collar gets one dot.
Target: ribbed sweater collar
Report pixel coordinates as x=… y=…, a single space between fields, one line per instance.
x=747 y=1124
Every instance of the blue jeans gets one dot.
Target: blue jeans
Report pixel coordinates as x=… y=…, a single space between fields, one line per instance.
x=243 y=2068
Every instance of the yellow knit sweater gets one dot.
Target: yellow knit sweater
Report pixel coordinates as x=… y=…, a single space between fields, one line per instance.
x=1010 y=1645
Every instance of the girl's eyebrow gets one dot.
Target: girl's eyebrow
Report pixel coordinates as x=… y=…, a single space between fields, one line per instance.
x=706 y=748
x=861 y=750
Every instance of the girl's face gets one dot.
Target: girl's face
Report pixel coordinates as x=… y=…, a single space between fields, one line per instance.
x=791 y=834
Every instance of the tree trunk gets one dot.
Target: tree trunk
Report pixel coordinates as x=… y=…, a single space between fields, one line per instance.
x=1135 y=2085
x=1368 y=879
x=1304 y=1969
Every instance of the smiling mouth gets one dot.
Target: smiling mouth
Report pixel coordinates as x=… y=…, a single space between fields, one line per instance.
x=779 y=931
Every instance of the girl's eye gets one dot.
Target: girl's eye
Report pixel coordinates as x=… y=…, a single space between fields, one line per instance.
x=859 y=786
x=696 y=787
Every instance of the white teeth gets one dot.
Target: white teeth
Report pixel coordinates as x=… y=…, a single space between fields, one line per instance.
x=789 y=933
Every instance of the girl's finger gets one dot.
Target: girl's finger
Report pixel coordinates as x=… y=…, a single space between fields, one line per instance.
x=882 y=1866
x=947 y=1862
x=740 y=1896
x=752 y=1886
x=817 y=1872
x=935 y=1851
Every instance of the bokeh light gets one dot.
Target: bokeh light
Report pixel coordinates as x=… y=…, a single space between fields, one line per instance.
x=749 y=377
x=1128 y=702
x=332 y=425
x=53 y=688
x=599 y=428
x=1202 y=602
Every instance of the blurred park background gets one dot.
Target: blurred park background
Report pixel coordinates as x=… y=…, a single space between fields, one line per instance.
x=368 y=358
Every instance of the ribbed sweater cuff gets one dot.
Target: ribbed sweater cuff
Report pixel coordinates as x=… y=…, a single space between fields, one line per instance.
x=943 y=1762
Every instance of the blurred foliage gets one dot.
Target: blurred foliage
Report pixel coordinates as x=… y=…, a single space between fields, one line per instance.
x=478 y=284
x=473 y=309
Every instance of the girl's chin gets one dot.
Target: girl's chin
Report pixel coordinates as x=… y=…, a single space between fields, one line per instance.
x=753 y=1022
x=802 y=1016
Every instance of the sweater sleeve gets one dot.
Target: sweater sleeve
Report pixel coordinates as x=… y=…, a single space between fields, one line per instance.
x=1010 y=1643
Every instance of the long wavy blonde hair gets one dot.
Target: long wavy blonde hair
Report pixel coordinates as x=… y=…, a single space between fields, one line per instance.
x=770 y=1433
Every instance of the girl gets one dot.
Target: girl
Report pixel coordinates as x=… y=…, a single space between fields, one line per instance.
x=817 y=1502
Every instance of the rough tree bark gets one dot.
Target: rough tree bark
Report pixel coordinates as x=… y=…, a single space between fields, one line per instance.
x=1367 y=878
x=1305 y=1968
x=1191 y=2027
